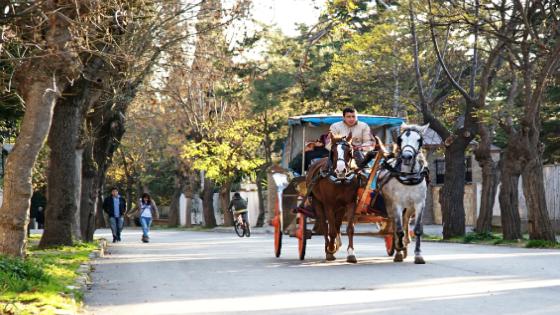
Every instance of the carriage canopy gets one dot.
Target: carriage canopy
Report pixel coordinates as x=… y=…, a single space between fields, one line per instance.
x=308 y=127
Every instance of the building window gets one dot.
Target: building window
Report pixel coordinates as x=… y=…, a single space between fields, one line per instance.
x=440 y=170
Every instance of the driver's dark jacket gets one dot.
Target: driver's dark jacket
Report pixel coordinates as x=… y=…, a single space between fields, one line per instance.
x=316 y=153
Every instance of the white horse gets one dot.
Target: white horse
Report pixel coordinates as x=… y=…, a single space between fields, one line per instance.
x=404 y=189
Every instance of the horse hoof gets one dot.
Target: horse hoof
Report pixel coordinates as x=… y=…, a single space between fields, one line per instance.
x=419 y=260
x=351 y=259
x=330 y=257
x=398 y=257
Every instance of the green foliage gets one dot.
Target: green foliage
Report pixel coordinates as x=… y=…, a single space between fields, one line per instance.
x=11 y=105
x=266 y=92
x=40 y=283
x=19 y=275
x=227 y=151
x=479 y=237
x=551 y=125
x=370 y=66
x=542 y=244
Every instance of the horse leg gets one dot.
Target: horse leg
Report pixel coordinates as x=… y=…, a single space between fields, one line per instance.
x=339 y=215
x=407 y=213
x=418 y=231
x=350 y=210
x=332 y=232
x=399 y=234
x=321 y=220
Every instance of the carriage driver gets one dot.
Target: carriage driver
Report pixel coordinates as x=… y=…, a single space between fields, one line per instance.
x=362 y=139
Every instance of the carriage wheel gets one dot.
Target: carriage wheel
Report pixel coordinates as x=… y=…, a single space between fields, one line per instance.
x=277 y=237
x=390 y=245
x=302 y=235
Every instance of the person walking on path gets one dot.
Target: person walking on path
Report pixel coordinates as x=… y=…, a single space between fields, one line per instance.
x=115 y=207
x=146 y=211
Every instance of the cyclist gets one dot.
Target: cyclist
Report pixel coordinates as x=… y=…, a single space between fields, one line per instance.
x=240 y=206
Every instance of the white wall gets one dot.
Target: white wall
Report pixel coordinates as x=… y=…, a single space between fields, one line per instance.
x=196 y=208
x=551 y=175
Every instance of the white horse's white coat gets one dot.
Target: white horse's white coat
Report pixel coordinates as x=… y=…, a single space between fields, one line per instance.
x=399 y=197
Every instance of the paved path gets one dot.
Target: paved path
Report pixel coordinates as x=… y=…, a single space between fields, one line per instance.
x=216 y=273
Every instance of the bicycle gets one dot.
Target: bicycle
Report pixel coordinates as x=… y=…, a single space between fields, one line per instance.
x=242 y=228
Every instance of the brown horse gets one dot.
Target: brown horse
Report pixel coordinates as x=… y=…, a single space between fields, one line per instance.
x=334 y=190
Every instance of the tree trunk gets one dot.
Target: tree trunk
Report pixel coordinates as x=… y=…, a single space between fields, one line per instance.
x=452 y=192
x=189 y=204
x=208 y=203
x=105 y=128
x=490 y=179
x=189 y=195
x=62 y=220
x=509 y=193
x=225 y=190
x=509 y=206
x=40 y=98
x=88 y=202
x=261 y=178
x=100 y=216
x=174 y=207
x=129 y=186
x=39 y=83
x=540 y=227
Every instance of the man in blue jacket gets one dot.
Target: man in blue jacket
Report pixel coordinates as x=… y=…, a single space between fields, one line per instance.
x=115 y=207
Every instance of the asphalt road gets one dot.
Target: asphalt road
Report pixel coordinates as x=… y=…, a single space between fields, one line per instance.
x=219 y=273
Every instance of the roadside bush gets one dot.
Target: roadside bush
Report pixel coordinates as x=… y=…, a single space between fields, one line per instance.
x=542 y=244
x=478 y=237
x=19 y=275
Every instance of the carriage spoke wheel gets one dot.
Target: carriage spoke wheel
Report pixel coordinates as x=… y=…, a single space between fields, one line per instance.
x=390 y=245
x=302 y=235
x=277 y=236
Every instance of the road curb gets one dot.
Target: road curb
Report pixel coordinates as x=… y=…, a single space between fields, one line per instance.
x=83 y=282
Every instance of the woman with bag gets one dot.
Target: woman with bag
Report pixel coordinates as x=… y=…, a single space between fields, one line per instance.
x=146 y=212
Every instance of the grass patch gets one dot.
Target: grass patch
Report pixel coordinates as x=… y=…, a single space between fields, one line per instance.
x=42 y=283
x=542 y=244
x=493 y=238
x=432 y=238
x=481 y=237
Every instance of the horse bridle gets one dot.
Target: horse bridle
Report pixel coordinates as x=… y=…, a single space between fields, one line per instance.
x=406 y=178
x=330 y=172
x=414 y=150
x=344 y=144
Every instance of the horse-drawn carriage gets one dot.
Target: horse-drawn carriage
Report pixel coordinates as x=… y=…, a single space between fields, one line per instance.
x=294 y=191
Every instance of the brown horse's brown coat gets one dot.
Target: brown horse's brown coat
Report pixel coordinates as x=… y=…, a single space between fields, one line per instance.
x=331 y=202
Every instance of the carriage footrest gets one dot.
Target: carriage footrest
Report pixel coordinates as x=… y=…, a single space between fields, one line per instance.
x=307 y=211
x=377 y=212
x=378 y=205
